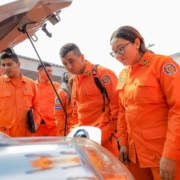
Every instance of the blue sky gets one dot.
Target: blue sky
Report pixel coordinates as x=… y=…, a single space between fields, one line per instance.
x=90 y=23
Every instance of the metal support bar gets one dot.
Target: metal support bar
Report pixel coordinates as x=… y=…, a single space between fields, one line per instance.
x=23 y=30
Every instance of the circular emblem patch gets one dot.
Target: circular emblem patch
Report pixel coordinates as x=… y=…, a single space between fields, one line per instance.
x=169 y=69
x=105 y=79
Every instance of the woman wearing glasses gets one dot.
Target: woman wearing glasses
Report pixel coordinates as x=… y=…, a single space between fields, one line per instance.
x=149 y=108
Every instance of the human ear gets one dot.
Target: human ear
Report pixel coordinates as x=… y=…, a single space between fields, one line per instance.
x=82 y=57
x=137 y=43
x=18 y=64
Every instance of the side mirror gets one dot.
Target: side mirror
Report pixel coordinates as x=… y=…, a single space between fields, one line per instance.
x=81 y=133
x=90 y=132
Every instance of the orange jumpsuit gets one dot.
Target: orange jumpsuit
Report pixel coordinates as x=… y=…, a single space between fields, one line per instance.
x=149 y=112
x=15 y=101
x=89 y=103
x=47 y=102
x=60 y=115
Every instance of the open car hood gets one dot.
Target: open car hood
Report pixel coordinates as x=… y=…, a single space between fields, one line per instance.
x=32 y=14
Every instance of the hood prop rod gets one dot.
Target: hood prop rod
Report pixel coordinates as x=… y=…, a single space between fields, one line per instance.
x=23 y=30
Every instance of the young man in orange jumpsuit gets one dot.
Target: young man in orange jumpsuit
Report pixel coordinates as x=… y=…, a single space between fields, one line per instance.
x=65 y=96
x=18 y=95
x=149 y=108
x=48 y=126
x=92 y=109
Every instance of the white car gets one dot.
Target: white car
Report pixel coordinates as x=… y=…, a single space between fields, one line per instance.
x=49 y=158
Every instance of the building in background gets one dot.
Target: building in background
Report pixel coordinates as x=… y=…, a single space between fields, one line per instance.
x=29 y=68
x=176 y=57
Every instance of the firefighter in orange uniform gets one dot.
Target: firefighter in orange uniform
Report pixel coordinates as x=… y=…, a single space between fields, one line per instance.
x=48 y=126
x=18 y=95
x=93 y=107
x=65 y=96
x=149 y=108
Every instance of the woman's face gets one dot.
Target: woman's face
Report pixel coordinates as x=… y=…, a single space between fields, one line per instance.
x=125 y=52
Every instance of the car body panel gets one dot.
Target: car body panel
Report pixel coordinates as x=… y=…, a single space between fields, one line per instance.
x=64 y=158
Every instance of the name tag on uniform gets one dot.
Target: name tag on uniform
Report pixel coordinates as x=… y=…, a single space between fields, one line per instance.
x=57 y=107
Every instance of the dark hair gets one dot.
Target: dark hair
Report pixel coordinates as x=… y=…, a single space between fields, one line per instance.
x=69 y=47
x=12 y=56
x=129 y=33
x=45 y=64
x=65 y=86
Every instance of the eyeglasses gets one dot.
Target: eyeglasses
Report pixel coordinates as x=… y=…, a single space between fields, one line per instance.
x=120 y=50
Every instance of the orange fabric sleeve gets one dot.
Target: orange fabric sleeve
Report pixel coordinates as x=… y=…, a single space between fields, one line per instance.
x=122 y=126
x=170 y=85
x=36 y=106
x=56 y=85
x=59 y=112
x=121 y=123
x=74 y=106
x=112 y=95
x=74 y=120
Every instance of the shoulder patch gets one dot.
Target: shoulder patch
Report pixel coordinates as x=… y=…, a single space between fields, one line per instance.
x=105 y=79
x=169 y=69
